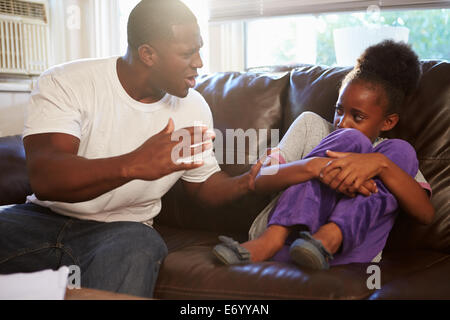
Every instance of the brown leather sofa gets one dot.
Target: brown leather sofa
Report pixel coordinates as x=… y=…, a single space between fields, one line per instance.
x=416 y=260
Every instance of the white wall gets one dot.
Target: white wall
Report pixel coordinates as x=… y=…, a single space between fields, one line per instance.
x=74 y=34
x=12 y=111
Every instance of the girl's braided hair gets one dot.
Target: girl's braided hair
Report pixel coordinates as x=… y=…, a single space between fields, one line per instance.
x=392 y=65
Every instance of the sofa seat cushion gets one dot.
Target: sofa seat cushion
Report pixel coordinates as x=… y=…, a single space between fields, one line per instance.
x=429 y=283
x=191 y=271
x=177 y=238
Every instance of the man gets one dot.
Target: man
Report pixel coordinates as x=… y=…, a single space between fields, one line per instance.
x=100 y=155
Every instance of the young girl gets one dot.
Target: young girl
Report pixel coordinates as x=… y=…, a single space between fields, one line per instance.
x=342 y=202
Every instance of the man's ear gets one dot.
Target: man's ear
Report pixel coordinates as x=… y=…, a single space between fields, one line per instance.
x=147 y=54
x=390 y=122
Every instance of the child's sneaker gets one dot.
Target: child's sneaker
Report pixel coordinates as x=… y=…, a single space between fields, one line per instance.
x=309 y=252
x=231 y=252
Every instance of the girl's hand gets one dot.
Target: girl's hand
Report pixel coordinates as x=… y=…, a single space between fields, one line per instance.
x=367 y=189
x=351 y=172
x=248 y=179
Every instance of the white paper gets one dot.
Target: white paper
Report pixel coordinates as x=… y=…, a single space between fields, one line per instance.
x=41 y=285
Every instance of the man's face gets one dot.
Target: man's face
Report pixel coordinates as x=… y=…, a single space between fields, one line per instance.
x=178 y=60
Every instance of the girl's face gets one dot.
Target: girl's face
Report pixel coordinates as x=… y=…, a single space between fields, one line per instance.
x=362 y=106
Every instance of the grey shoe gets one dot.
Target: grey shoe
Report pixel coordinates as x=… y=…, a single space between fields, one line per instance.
x=309 y=252
x=231 y=252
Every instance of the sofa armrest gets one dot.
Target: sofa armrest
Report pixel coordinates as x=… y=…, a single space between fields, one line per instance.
x=14 y=182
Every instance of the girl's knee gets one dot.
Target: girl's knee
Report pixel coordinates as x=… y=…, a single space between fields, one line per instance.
x=394 y=146
x=352 y=134
x=348 y=140
x=401 y=153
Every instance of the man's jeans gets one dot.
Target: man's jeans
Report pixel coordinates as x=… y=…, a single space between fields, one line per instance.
x=120 y=257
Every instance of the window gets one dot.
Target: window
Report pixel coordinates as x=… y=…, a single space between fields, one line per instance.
x=311 y=38
x=125 y=8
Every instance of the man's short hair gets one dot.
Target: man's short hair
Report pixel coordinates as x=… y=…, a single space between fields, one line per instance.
x=153 y=20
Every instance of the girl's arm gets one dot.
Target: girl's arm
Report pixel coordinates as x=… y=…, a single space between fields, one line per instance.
x=275 y=175
x=409 y=193
x=305 y=133
x=355 y=168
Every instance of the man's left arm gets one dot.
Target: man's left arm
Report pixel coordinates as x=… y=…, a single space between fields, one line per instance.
x=220 y=188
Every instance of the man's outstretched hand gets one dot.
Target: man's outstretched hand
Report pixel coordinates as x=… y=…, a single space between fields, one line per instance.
x=163 y=153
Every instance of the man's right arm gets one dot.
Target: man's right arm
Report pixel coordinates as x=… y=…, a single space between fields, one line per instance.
x=57 y=173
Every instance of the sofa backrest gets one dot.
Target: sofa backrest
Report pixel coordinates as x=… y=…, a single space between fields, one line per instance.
x=425 y=123
x=238 y=101
x=273 y=101
x=255 y=100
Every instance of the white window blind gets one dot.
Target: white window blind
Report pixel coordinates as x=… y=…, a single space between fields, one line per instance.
x=223 y=10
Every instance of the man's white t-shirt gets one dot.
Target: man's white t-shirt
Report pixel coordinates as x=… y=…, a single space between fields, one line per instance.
x=86 y=99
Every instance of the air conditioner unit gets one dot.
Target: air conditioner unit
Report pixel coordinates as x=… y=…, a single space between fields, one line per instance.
x=24 y=36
